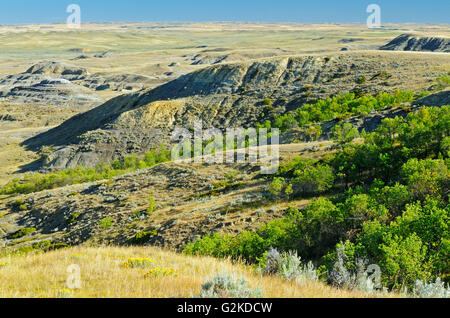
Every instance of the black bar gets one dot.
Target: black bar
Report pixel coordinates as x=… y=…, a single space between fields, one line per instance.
x=218 y=307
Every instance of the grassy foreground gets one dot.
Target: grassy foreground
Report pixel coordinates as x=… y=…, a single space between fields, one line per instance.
x=104 y=274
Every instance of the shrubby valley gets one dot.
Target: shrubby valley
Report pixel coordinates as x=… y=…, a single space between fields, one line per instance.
x=358 y=207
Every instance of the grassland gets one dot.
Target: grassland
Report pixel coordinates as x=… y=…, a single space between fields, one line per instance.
x=103 y=274
x=147 y=48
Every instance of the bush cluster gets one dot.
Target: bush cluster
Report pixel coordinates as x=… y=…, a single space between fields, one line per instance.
x=23 y=232
x=228 y=286
x=140 y=262
x=287 y=265
x=393 y=210
x=338 y=107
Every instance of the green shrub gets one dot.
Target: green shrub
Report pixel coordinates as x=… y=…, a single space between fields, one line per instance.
x=215 y=245
x=314 y=132
x=25 y=250
x=73 y=218
x=310 y=178
x=445 y=147
x=57 y=246
x=394 y=211
x=425 y=177
x=425 y=289
x=361 y=80
x=42 y=245
x=340 y=106
x=105 y=223
x=152 y=205
x=269 y=109
x=228 y=286
x=18 y=205
x=305 y=176
x=350 y=272
x=267 y=101
x=345 y=134
x=143 y=237
x=23 y=232
x=140 y=262
x=290 y=266
x=276 y=186
x=420 y=232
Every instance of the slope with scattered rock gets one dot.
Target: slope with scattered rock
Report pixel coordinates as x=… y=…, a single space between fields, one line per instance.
x=190 y=200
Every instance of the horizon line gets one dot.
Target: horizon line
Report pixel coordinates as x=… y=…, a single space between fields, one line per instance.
x=225 y=21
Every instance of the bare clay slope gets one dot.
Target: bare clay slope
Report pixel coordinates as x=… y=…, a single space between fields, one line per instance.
x=228 y=95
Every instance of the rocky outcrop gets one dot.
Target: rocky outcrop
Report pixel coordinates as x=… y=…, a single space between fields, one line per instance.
x=410 y=42
x=438 y=99
x=57 y=69
x=62 y=84
x=46 y=90
x=121 y=82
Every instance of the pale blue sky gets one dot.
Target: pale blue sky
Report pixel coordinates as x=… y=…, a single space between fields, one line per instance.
x=54 y=11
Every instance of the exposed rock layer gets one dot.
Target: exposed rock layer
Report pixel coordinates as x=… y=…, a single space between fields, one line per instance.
x=409 y=42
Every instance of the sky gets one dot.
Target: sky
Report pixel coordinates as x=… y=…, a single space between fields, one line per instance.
x=309 y=11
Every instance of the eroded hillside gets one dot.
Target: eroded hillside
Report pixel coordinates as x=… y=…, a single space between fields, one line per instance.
x=411 y=42
x=229 y=95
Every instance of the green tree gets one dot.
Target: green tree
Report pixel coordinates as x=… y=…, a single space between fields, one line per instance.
x=276 y=186
x=151 y=204
x=404 y=260
x=345 y=134
x=310 y=177
x=425 y=177
x=314 y=132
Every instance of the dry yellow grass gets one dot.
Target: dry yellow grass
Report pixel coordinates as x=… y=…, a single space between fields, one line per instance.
x=103 y=275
